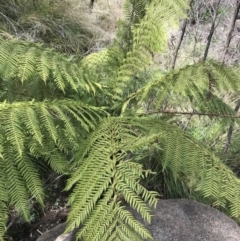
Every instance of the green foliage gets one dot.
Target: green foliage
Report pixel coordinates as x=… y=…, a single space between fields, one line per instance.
x=198 y=85
x=205 y=172
x=103 y=178
x=149 y=36
x=30 y=61
x=142 y=33
x=81 y=120
x=44 y=129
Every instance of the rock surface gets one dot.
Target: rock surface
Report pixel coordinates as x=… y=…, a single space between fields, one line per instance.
x=177 y=220
x=185 y=220
x=55 y=234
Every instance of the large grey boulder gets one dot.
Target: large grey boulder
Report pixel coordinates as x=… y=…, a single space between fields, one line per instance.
x=177 y=220
x=185 y=220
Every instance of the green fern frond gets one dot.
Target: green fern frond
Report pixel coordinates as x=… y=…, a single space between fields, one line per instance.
x=149 y=35
x=226 y=77
x=13 y=130
x=18 y=192
x=115 y=66
x=184 y=157
x=197 y=84
x=31 y=124
x=134 y=10
x=48 y=131
x=21 y=179
x=96 y=202
x=54 y=157
x=234 y=197
x=94 y=65
x=152 y=30
x=215 y=105
x=203 y=171
x=41 y=125
x=43 y=114
x=47 y=120
x=43 y=62
x=3 y=219
x=6 y=53
x=3 y=186
x=30 y=175
x=134 y=63
x=103 y=67
x=3 y=197
x=132 y=224
x=211 y=75
x=27 y=64
x=178 y=7
x=23 y=60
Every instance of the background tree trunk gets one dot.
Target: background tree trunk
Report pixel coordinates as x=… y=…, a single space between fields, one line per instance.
x=232 y=25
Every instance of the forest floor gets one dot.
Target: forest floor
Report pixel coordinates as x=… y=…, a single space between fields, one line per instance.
x=55 y=212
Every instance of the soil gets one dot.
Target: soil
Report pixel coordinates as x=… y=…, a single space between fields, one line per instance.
x=55 y=212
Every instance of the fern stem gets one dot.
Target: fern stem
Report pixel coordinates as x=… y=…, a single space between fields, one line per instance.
x=230 y=131
x=211 y=31
x=188 y=113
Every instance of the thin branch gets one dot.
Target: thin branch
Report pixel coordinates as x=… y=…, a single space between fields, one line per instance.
x=230 y=131
x=229 y=37
x=8 y=19
x=179 y=43
x=231 y=29
x=184 y=25
x=91 y=4
x=228 y=141
x=188 y=113
x=188 y=122
x=211 y=31
x=196 y=33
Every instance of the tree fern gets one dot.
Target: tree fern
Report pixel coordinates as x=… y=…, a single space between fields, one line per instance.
x=57 y=112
